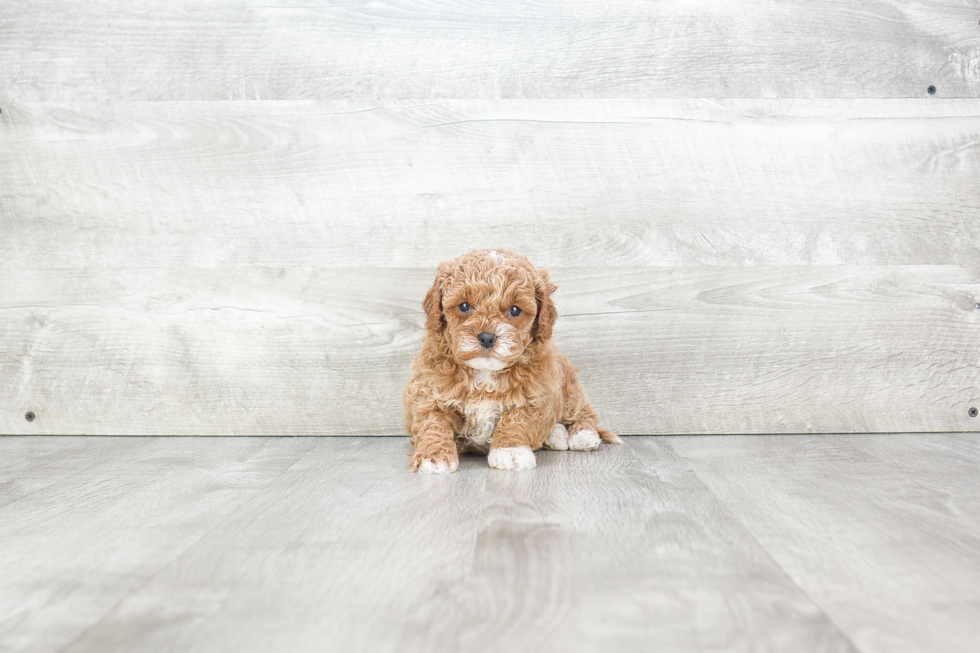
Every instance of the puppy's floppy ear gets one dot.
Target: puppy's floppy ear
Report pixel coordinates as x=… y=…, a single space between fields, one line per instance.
x=547 y=313
x=432 y=304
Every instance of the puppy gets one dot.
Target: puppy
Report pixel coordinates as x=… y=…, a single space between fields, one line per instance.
x=488 y=378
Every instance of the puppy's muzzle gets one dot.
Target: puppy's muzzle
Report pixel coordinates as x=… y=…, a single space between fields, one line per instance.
x=487 y=340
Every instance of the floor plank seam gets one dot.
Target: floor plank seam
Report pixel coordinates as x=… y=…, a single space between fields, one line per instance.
x=136 y=590
x=471 y=555
x=80 y=471
x=768 y=553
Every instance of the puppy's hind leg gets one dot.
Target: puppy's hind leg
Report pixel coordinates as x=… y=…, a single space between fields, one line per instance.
x=608 y=436
x=585 y=434
x=582 y=422
x=557 y=439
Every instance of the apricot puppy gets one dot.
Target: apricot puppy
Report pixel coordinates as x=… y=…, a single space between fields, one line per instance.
x=488 y=378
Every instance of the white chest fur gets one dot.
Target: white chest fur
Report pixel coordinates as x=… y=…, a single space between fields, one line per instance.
x=481 y=420
x=483 y=379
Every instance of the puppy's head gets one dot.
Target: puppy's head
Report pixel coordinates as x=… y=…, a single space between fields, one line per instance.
x=490 y=305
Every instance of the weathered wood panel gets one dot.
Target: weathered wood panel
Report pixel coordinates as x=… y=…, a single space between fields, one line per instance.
x=187 y=267
x=74 y=549
x=622 y=549
x=342 y=542
x=29 y=465
x=265 y=50
x=865 y=537
x=664 y=183
x=327 y=351
x=865 y=544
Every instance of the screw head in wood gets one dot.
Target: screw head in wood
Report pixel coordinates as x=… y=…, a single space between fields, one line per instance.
x=932 y=90
x=973 y=412
x=29 y=416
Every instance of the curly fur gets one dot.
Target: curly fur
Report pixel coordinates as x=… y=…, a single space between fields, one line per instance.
x=465 y=397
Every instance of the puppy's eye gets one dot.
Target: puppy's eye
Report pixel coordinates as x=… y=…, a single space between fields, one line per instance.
x=514 y=311
x=465 y=308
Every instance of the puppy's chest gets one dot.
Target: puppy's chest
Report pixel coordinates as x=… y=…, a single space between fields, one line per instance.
x=481 y=420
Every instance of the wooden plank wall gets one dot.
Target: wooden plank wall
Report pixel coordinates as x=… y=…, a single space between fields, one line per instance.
x=221 y=217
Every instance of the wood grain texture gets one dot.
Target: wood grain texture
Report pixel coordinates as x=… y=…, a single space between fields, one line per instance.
x=867 y=540
x=256 y=268
x=74 y=549
x=335 y=184
x=918 y=454
x=28 y=465
x=307 y=352
x=774 y=543
x=345 y=551
x=626 y=550
x=268 y=50
x=349 y=551
x=314 y=351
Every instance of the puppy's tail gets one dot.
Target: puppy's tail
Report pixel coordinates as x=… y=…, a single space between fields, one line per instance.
x=609 y=436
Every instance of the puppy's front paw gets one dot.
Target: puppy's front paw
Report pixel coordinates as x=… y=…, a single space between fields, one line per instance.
x=584 y=440
x=429 y=466
x=438 y=464
x=512 y=458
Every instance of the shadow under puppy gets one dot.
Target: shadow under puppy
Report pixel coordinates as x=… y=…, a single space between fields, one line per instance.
x=488 y=378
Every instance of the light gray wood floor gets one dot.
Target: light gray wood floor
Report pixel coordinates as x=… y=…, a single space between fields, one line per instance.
x=727 y=543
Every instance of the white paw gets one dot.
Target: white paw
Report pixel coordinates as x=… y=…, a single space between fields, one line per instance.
x=558 y=439
x=429 y=466
x=584 y=440
x=512 y=458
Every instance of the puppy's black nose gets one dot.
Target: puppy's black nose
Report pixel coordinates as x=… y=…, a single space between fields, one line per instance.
x=487 y=339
